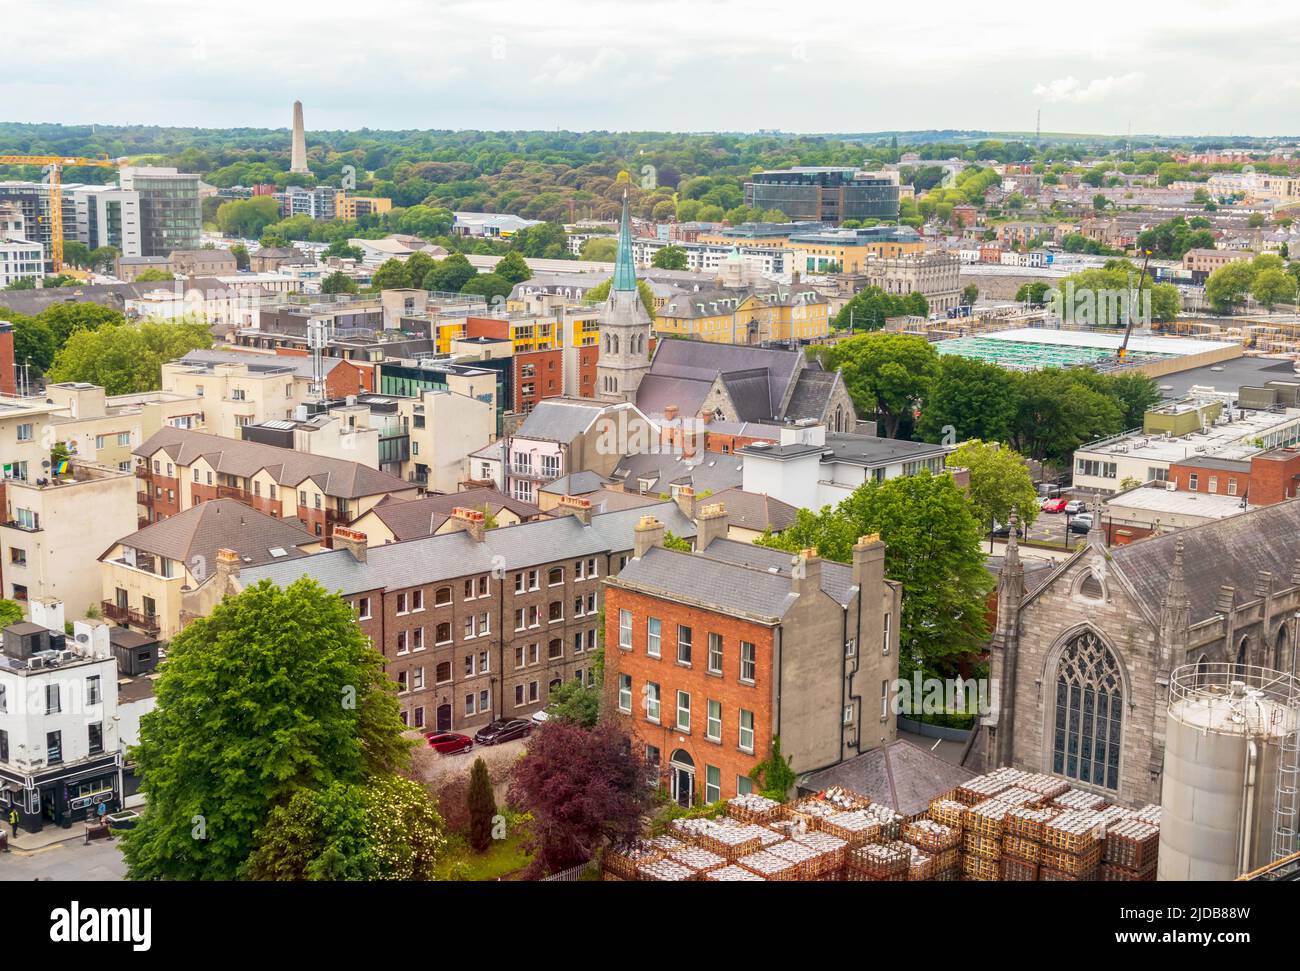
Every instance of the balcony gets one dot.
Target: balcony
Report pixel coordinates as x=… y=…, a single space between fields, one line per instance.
x=132 y=618
x=142 y=472
x=233 y=492
x=144 y=498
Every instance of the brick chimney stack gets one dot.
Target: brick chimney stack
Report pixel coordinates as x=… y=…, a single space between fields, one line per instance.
x=470 y=520
x=685 y=499
x=649 y=533
x=577 y=507
x=712 y=523
x=228 y=563
x=8 y=367
x=352 y=540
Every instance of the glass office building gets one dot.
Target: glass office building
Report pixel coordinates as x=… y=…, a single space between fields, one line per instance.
x=824 y=194
x=171 y=217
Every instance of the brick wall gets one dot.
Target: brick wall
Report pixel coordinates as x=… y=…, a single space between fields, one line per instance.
x=703 y=686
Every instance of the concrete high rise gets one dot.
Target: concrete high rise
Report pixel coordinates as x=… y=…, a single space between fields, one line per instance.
x=298 y=159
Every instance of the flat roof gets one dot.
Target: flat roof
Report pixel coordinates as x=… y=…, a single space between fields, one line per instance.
x=1207 y=504
x=1225 y=440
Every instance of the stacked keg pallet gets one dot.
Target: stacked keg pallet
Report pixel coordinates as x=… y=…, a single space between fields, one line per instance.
x=1006 y=825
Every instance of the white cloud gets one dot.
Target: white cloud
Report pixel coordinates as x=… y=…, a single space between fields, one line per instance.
x=1071 y=90
x=564 y=70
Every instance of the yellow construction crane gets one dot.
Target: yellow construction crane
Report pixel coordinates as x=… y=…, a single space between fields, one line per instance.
x=56 y=165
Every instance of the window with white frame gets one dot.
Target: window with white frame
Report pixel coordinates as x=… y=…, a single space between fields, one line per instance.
x=684 y=637
x=715 y=653
x=625 y=693
x=652 y=629
x=712 y=783
x=885 y=639
x=746 y=739
x=625 y=629
x=652 y=702
x=683 y=711
x=713 y=726
x=747 y=665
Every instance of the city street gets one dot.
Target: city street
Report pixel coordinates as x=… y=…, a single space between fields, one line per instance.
x=69 y=860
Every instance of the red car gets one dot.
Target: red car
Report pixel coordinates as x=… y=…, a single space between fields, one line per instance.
x=1054 y=505
x=449 y=743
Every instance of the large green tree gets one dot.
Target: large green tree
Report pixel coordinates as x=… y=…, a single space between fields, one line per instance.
x=999 y=481
x=1227 y=287
x=1057 y=412
x=1273 y=286
x=383 y=829
x=127 y=358
x=932 y=547
x=482 y=806
x=276 y=692
x=247 y=218
x=513 y=269
x=888 y=375
x=968 y=399
x=669 y=258
x=870 y=307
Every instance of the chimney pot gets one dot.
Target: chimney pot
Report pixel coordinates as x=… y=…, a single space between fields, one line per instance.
x=578 y=507
x=352 y=540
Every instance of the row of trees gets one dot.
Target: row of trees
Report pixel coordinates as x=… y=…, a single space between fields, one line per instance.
x=1267 y=278
x=88 y=342
x=912 y=391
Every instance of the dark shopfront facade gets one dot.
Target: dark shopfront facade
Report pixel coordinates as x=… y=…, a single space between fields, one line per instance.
x=62 y=795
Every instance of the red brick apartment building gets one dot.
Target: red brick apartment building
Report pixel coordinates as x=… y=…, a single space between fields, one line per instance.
x=179 y=468
x=1264 y=479
x=711 y=654
x=476 y=624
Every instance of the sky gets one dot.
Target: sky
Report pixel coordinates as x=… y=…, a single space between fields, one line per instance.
x=1167 y=67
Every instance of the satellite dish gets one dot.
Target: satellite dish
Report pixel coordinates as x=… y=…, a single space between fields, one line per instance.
x=45 y=463
x=82 y=638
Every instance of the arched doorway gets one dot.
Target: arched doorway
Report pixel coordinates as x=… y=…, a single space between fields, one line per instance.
x=682 y=777
x=1202 y=669
x=1281 y=650
x=444 y=718
x=1243 y=652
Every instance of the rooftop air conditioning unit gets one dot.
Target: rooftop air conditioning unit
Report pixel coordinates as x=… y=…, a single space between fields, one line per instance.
x=1171 y=487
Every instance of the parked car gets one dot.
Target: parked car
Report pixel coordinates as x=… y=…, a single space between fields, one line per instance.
x=503 y=730
x=541 y=716
x=1003 y=530
x=1054 y=505
x=1081 y=523
x=449 y=743
x=1075 y=506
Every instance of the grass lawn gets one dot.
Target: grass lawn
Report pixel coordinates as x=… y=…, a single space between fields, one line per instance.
x=502 y=858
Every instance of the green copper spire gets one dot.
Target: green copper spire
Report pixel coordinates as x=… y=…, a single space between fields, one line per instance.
x=624 y=269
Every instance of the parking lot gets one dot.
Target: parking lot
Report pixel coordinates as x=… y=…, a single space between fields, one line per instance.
x=70 y=860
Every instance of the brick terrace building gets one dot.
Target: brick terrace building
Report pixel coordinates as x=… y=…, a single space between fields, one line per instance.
x=178 y=468
x=480 y=623
x=1264 y=479
x=711 y=654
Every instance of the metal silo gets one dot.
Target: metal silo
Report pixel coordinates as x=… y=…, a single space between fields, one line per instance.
x=1232 y=758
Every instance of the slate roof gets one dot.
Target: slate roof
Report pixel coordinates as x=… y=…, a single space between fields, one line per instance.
x=1227 y=551
x=334 y=477
x=869 y=450
x=903 y=776
x=559 y=419
x=576 y=484
x=714 y=470
x=837 y=578
x=812 y=394
x=451 y=555
x=221 y=524
x=682 y=372
x=709 y=582
x=414 y=518
x=755 y=510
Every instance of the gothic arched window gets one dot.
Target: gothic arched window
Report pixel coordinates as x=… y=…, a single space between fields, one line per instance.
x=1089 y=713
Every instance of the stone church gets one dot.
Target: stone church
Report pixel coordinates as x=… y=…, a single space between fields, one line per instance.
x=1082 y=653
x=624 y=326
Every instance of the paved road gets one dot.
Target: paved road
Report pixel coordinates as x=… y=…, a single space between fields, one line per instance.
x=71 y=860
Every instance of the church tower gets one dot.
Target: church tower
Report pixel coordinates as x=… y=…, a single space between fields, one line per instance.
x=624 y=327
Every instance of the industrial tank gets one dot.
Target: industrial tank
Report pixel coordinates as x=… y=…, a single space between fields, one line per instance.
x=1229 y=793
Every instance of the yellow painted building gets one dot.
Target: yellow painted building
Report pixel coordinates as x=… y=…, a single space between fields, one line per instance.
x=352 y=207
x=815 y=254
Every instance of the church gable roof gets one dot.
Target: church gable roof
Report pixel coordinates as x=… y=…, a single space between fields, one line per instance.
x=1229 y=551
